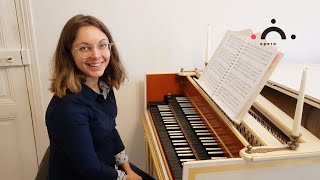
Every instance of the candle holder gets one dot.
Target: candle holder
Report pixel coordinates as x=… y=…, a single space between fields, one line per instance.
x=294 y=142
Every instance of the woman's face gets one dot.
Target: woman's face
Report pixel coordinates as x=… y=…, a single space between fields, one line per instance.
x=91 y=52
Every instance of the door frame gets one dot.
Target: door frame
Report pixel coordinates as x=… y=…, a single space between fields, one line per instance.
x=32 y=72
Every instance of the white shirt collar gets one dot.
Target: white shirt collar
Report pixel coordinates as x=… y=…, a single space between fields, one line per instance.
x=105 y=89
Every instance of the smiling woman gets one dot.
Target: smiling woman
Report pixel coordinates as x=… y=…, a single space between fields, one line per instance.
x=91 y=61
x=82 y=34
x=80 y=118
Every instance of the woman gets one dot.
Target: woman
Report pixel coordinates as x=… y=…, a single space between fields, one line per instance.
x=84 y=143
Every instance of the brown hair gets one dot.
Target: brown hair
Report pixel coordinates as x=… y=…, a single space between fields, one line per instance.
x=66 y=75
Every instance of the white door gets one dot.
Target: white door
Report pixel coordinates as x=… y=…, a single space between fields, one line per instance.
x=17 y=146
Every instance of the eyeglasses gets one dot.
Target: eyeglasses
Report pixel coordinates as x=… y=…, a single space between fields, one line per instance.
x=85 y=51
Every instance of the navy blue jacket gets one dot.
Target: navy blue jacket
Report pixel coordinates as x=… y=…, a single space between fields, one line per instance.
x=83 y=137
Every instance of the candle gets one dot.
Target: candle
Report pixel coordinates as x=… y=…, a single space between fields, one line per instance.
x=299 y=107
x=208 y=46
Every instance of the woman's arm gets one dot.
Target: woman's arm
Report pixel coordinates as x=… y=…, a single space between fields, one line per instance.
x=123 y=161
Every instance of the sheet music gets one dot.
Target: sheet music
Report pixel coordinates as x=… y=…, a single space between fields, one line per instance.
x=234 y=72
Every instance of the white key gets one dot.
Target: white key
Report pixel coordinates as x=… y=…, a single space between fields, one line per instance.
x=190 y=112
x=206 y=137
x=185 y=151
x=218 y=157
x=172 y=128
x=164 y=110
x=187 y=109
x=198 y=127
x=215 y=152
x=209 y=144
x=201 y=130
x=174 y=131
x=193 y=118
x=175 y=134
x=180 y=144
x=168 y=118
x=213 y=149
x=187 y=154
x=192 y=124
x=171 y=125
x=182 y=148
x=207 y=140
x=170 y=122
x=203 y=134
x=196 y=122
x=179 y=140
x=176 y=137
x=182 y=105
x=166 y=113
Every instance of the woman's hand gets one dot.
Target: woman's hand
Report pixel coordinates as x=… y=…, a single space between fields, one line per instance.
x=133 y=176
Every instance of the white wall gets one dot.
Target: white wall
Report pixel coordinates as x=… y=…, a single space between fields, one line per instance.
x=165 y=35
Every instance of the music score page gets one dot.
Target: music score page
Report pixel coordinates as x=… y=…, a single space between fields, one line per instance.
x=236 y=71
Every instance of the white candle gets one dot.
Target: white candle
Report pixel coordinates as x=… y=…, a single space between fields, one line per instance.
x=299 y=107
x=208 y=45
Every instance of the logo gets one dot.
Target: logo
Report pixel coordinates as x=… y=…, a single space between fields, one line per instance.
x=272 y=29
